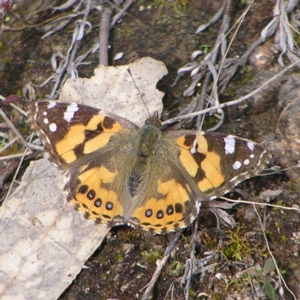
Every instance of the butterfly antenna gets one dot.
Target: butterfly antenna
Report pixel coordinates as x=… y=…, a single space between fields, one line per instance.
x=129 y=71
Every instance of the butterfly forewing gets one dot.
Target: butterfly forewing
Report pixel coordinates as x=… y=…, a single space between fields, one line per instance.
x=71 y=131
x=217 y=162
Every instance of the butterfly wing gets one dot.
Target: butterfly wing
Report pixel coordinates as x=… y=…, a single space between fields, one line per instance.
x=169 y=204
x=194 y=166
x=217 y=162
x=96 y=188
x=86 y=141
x=71 y=131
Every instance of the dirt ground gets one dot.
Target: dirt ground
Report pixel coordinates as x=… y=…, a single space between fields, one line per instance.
x=165 y=30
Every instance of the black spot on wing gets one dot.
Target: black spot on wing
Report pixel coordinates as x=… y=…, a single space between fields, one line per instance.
x=108 y=123
x=189 y=140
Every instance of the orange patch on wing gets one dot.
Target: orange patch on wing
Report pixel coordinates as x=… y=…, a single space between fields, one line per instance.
x=65 y=147
x=181 y=142
x=202 y=144
x=186 y=156
x=102 y=139
x=174 y=193
x=101 y=174
x=211 y=166
x=189 y=163
x=104 y=204
x=76 y=136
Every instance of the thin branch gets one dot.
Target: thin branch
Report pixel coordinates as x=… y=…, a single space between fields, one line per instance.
x=14 y=129
x=259 y=204
x=271 y=254
x=119 y=15
x=104 y=35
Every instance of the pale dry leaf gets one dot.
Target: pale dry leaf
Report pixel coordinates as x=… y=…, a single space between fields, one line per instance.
x=44 y=242
x=268 y=195
x=112 y=89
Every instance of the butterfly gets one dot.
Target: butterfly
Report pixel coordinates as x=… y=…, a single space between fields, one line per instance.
x=118 y=173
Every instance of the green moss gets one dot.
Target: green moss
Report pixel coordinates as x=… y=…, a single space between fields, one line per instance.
x=192 y=293
x=248 y=74
x=129 y=235
x=205 y=48
x=218 y=296
x=283 y=238
x=117 y=256
x=176 y=267
x=86 y=283
x=185 y=241
x=294 y=266
x=268 y=233
x=179 y=6
x=237 y=246
x=151 y=255
x=15 y=149
x=19 y=92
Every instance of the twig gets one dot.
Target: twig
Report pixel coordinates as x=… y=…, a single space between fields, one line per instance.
x=213 y=20
x=14 y=129
x=260 y=204
x=160 y=264
x=119 y=15
x=192 y=260
x=15 y=175
x=271 y=254
x=226 y=76
x=214 y=54
x=104 y=35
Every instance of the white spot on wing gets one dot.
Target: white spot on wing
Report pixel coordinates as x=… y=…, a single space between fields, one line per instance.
x=71 y=109
x=45 y=113
x=250 y=145
x=237 y=164
x=251 y=155
x=46 y=121
x=229 y=144
x=261 y=156
x=246 y=162
x=233 y=179
x=51 y=104
x=193 y=149
x=52 y=127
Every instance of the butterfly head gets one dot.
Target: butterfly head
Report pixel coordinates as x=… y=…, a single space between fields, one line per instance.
x=154 y=120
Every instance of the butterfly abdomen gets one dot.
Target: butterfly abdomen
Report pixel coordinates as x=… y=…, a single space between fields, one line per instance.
x=144 y=149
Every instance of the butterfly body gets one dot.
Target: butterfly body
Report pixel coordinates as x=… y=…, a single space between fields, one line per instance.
x=144 y=177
